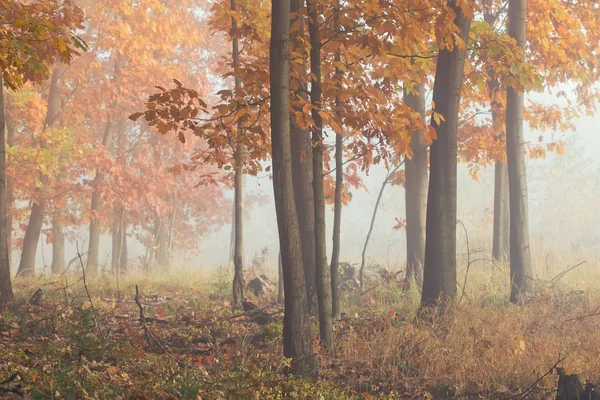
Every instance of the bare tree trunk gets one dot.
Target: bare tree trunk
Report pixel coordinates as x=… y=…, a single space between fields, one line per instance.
x=520 y=258
x=280 y=297
x=302 y=174
x=416 y=195
x=6 y=292
x=439 y=274
x=163 y=252
x=31 y=239
x=117 y=239
x=238 y=256
x=323 y=277
x=10 y=196
x=36 y=218
x=500 y=249
x=297 y=343
x=96 y=210
x=124 y=259
x=339 y=185
x=58 y=248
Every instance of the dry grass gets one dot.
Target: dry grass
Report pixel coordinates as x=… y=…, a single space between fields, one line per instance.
x=485 y=348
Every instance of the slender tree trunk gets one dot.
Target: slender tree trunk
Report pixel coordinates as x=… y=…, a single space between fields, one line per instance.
x=439 y=274
x=323 y=277
x=31 y=239
x=36 y=218
x=117 y=239
x=372 y=225
x=96 y=210
x=163 y=252
x=124 y=259
x=58 y=248
x=280 y=296
x=302 y=172
x=520 y=258
x=339 y=185
x=6 y=292
x=500 y=249
x=10 y=196
x=238 y=256
x=297 y=343
x=232 y=236
x=416 y=195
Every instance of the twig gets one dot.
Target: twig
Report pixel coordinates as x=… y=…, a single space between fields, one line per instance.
x=524 y=393
x=147 y=331
x=464 y=285
x=559 y=276
x=88 y=292
x=390 y=172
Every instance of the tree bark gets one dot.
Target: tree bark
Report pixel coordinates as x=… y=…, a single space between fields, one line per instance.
x=416 y=195
x=6 y=292
x=339 y=184
x=124 y=258
x=36 y=217
x=302 y=175
x=520 y=258
x=297 y=343
x=439 y=274
x=96 y=209
x=323 y=277
x=238 y=256
x=10 y=196
x=500 y=240
x=58 y=248
x=280 y=297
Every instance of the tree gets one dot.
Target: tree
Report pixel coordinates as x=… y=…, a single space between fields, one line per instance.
x=238 y=260
x=302 y=155
x=439 y=273
x=520 y=257
x=34 y=36
x=322 y=268
x=416 y=193
x=36 y=218
x=296 y=330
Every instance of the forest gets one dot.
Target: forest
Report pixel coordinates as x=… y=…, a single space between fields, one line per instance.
x=299 y=199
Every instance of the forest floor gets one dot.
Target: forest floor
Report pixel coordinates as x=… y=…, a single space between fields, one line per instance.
x=72 y=342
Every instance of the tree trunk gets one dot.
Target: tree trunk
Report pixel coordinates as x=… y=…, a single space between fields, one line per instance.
x=124 y=259
x=416 y=195
x=520 y=258
x=10 y=196
x=302 y=175
x=297 y=343
x=339 y=184
x=439 y=274
x=163 y=251
x=280 y=296
x=36 y=218
x=6 y=292
x=238 y=256
x=96 y=210
x=58 y=248
x=117 y=239
x=323 y=277
x=500 y=249
x=31 y=239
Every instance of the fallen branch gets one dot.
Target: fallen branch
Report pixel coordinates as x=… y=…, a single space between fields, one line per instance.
x=16 y=389
x=527 y=391
x=88 y=293
x=147 y=330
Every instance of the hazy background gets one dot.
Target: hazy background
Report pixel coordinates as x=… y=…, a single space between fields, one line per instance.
x=563 y=209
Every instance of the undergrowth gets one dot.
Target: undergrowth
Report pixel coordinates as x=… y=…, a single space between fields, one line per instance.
x=74 y=344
